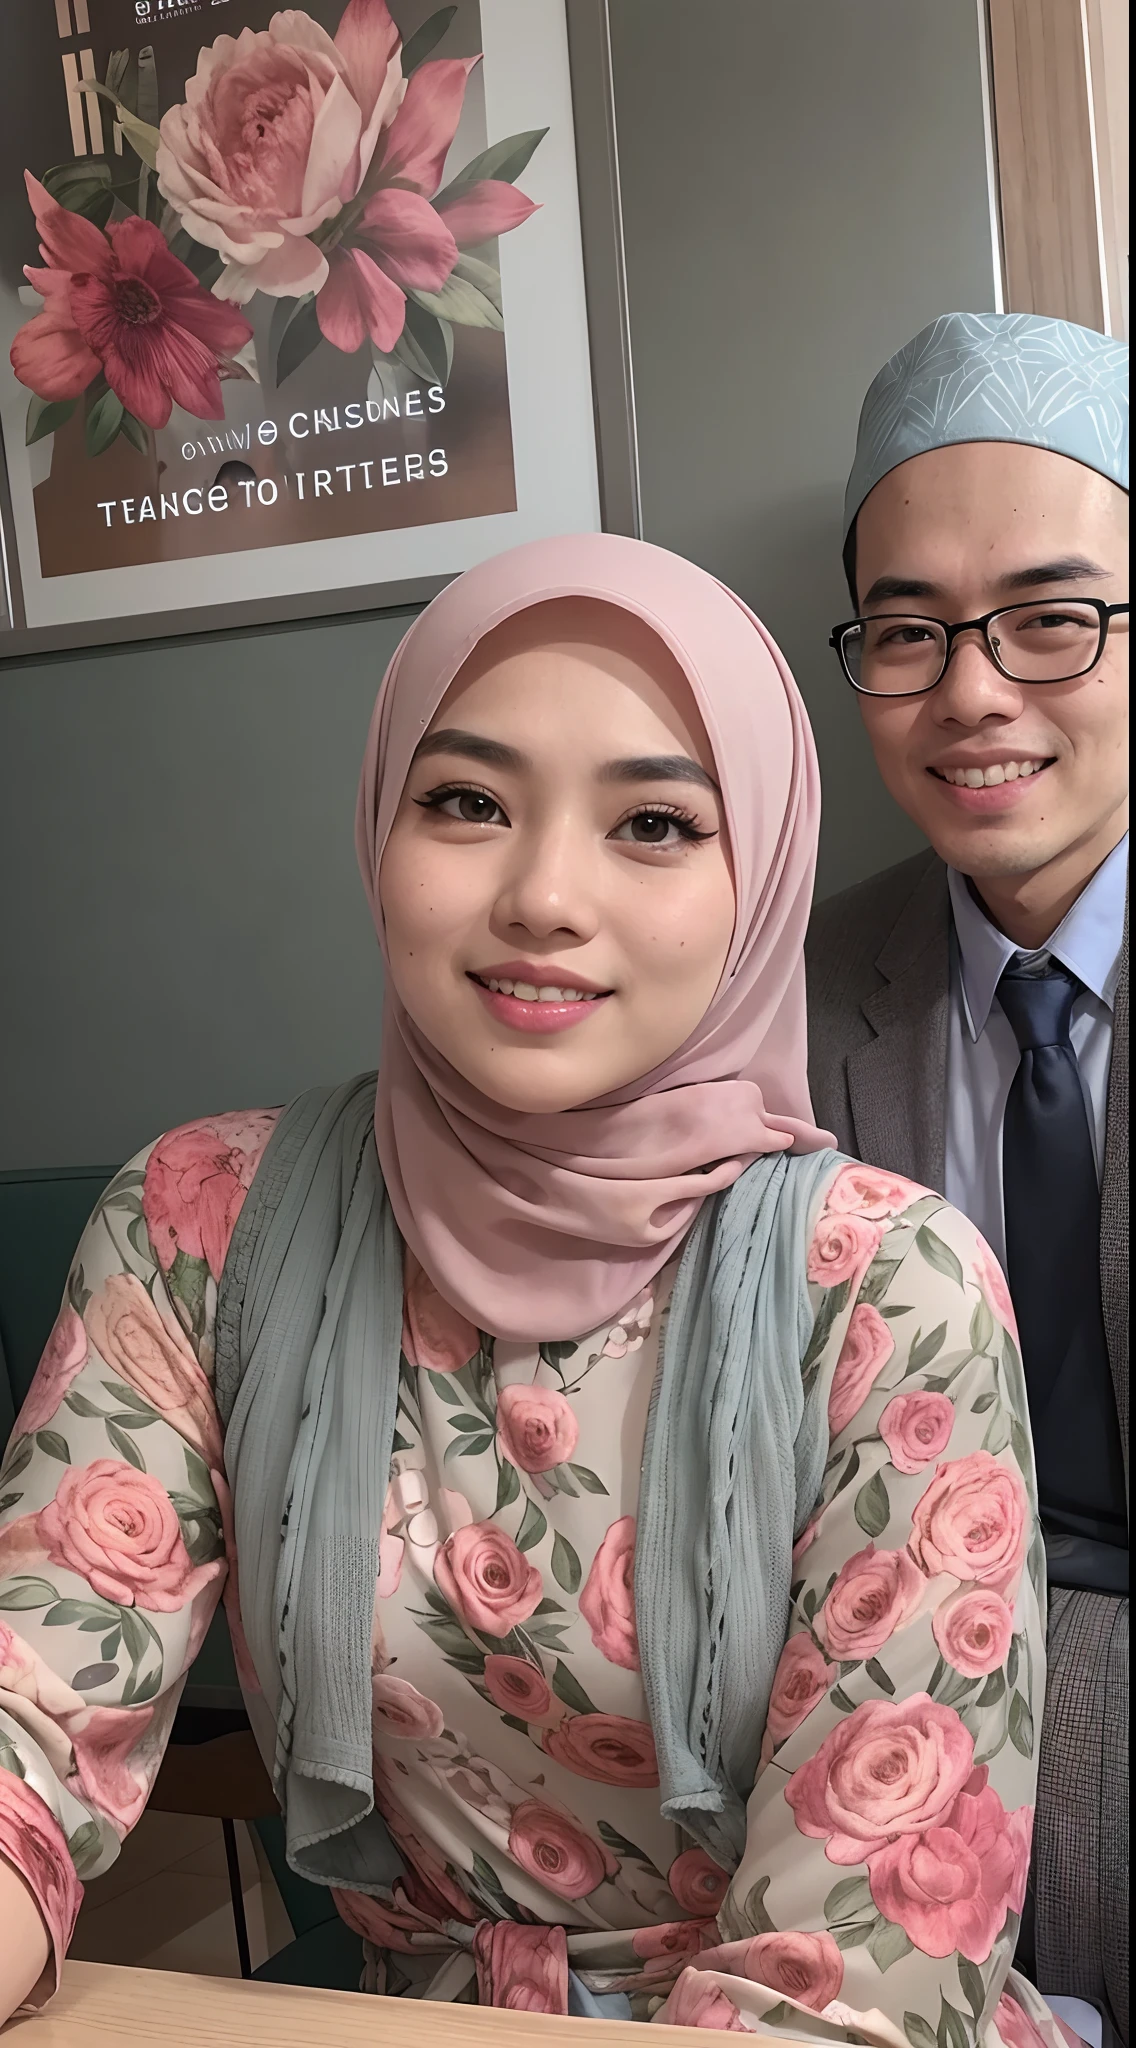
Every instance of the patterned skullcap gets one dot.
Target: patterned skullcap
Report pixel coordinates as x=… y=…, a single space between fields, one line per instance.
x=996 y=377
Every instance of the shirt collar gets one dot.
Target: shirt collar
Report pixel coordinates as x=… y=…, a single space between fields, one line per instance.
x=1087 y=941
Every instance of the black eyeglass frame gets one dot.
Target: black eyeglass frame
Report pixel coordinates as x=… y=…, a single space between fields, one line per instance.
x=1105 y=614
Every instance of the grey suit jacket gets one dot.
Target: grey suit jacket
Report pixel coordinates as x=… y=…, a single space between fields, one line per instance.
x=878 y=959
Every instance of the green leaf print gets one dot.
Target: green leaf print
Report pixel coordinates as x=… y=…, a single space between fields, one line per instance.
x=85 y=1845
x=138 y=1238
x=849 y=1900
x=880 y=1275
x=939 y=1255
x=981 y=1325
x=108 y=1650
x=973 y=1988
x=627 y=1852
x=590 y=1481
x=560 y=1475
x=53 y=1445
x=754 y=1912
x=18 y=1459
x=1020 y=1444
x=125 y=1446
x=127 y=1398
x=472 y=1447
x=997 y=1434
x=469 y=1660
x=992 y=1691
x=924 y=1349
x=85 y=1614
x=197 y=1473
x=508 y=1485
x=1021 y=1725
x=892 y=1309
x=879 y=1676
x=79 y=1404
x=849 y=1472
x=78 y=1293
x=777 y=2015
x=566 y=1567
x=8 y=1500
x=872 y=1508
x=187 y=1280
x=888 y=1944
x=20 y=1595
x=468 y=1425
x=567 y=1687
x=1010 y=1358
x=92 y=1676
x=1012 y=1657
x=952 y=2030
x=841 y=1701
x=444 y=1388
x=487 y=1882
x=835 y=1298
x=918 y=2030
x=983 y=1402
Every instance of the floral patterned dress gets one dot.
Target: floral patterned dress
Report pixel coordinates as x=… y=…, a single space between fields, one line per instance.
x=888 y=1831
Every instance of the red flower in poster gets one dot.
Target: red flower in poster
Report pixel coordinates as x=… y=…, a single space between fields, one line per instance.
x=117 y=301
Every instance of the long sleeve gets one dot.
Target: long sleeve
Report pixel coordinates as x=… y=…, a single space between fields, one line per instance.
x=114 y=1514
x=888 y=1834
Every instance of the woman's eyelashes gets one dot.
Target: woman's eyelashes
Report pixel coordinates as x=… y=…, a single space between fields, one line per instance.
x=660 y=825
x=650 y=827
x=464 y=802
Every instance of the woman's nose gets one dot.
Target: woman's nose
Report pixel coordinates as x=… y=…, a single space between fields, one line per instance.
x=547 y=889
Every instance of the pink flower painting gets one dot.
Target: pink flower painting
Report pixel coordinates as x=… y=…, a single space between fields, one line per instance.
x=301 y=166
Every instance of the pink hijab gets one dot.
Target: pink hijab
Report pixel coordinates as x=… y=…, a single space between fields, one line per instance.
x=546 y=1226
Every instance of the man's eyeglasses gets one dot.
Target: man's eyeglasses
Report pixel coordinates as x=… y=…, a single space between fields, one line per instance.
x=899 y=654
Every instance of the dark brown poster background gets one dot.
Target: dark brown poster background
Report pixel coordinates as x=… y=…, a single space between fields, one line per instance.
x=329 y=469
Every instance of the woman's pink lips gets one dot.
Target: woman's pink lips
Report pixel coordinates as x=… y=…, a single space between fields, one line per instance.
x=1001 y=796
x=541 y=1018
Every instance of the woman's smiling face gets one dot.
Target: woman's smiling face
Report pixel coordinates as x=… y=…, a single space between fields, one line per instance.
x=556 y=889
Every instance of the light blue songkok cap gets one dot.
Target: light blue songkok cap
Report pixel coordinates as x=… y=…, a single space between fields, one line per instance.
x=996 y=377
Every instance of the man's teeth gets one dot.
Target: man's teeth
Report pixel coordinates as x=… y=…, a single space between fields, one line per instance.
x=528 y=992
x=988 y=778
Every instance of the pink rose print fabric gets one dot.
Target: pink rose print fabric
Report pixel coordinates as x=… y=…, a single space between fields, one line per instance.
x=515 y=1765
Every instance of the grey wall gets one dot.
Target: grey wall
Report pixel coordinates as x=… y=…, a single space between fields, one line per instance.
x=804 y=187
x=181 y=927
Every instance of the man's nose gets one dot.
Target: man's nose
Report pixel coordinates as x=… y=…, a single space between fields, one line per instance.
x=973 y=687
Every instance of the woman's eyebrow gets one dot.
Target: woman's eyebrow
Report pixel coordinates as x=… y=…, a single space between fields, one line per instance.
x=659 y=768
x=474 y=746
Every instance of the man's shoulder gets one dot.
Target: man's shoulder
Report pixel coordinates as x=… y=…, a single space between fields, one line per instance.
x=847 y=932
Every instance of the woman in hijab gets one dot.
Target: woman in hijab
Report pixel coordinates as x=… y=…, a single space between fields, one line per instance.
x=639 y=1601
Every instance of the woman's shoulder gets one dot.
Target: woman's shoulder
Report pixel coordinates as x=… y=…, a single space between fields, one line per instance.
x=194 y=1180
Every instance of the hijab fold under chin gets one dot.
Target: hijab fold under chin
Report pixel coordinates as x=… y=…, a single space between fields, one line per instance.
x=547 y=1225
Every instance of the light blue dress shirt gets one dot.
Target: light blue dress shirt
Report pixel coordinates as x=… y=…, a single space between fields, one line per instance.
x=982 y=1052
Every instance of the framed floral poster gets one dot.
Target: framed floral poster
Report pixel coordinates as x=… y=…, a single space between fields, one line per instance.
x=292 y=305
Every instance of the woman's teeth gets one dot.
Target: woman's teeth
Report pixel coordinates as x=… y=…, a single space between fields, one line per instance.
x=528 y=992
x=988 y=778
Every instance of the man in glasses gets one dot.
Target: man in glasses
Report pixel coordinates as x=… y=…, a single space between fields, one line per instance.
x=969 y=1009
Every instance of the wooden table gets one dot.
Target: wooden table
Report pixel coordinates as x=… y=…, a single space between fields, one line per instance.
x=98 y=2006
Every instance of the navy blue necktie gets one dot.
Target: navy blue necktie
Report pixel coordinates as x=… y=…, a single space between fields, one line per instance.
x=1052 y=1203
